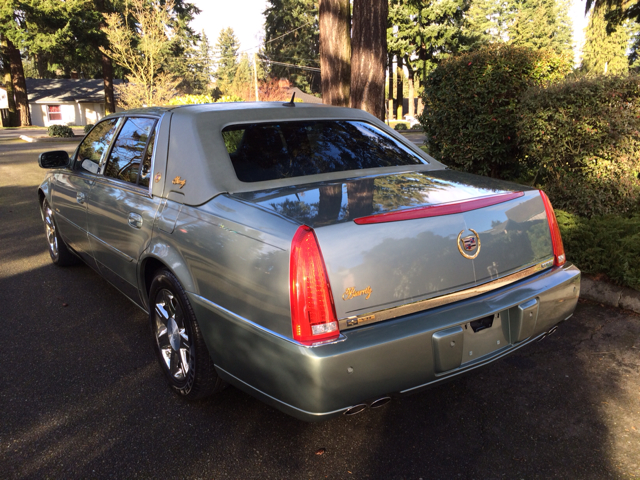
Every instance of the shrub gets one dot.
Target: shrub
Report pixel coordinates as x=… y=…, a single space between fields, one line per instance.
x=417 y=126
x=608 y=245
x=582 y=141
x=88 y=127
x=400 y=126
x=59 y=131
x=191 y=99
x=229 y=98
x=471 y=105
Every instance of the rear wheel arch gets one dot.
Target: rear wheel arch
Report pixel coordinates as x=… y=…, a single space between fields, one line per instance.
x=151 y=264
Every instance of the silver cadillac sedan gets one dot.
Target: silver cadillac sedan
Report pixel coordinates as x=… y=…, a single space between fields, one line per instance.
x=308 y=255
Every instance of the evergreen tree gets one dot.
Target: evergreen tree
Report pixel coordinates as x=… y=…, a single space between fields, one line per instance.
x=634 y=45
x=489 y=21
x=300 y=47
x=542 y=24
x=226 y=54
x=604 y=53
x=439 y=31
x=425 y=32
x=191 y=62
x=243 y=85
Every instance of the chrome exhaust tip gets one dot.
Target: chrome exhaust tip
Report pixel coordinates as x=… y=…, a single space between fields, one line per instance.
x=544 y=335
x=356 y=409
x=380 y=402
x=552 y=330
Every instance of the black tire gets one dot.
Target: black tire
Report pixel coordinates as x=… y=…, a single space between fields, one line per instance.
x=180 y=348
x=58 y=250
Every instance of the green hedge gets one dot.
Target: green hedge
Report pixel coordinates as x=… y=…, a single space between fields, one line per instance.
x=59 y=131
x=88 y=127
x=191 y=99
x=608 y=245
x=471 y=103
x=581 y=140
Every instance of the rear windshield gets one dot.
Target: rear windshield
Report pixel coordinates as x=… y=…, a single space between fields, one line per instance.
x=270 y=151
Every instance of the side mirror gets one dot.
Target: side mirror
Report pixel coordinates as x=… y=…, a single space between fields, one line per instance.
x=56 y=159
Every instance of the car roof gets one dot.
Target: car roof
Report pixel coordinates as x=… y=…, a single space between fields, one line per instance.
x=198 y=161
x=218 y=106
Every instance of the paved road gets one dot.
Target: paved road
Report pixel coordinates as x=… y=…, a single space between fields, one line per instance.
x=81 y=395
x=14 y=133
x=417 y=138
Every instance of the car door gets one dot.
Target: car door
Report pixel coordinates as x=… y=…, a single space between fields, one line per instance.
x=70 y=189
x=121 y=209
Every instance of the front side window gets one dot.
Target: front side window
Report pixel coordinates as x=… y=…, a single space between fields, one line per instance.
x=95 y=144
x=129 y=150
x=270 y=151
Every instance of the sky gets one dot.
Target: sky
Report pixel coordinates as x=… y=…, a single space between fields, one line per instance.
x=247 y=21
x=244 y=16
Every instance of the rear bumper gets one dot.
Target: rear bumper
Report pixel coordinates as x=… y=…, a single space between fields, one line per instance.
x=389 y=358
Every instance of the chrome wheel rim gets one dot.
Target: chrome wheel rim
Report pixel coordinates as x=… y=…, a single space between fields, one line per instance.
x=171 y=335
x=50 y=230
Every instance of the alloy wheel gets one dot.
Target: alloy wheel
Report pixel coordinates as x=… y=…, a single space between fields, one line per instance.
x=171 y=335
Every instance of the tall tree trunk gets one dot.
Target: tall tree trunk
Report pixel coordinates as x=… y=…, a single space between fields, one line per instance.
x=107 y=75
x=107 y=66
x=329 y=204
x=400 y=87
x=416 y=87
x=360 y=195
x=41 y=65
x=8 y=83
x=369 y=49
x=19 y=84
x=390 y=93
x=412 y=111
x=335 y=51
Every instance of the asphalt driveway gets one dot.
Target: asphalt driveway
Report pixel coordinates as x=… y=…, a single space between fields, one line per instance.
x=81 y=395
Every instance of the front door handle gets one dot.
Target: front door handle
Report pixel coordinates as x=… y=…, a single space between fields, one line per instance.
x=80 y=197
x=135 y=220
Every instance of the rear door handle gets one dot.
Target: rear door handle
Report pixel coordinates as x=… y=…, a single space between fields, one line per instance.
x=80 y=197
x=135 y=220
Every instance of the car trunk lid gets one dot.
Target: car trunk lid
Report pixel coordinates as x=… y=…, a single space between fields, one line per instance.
x=376 y=259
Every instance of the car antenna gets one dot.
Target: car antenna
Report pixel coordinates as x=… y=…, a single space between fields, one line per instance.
x=290 y=102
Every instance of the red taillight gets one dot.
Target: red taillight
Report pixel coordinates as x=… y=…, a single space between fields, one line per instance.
x=556 y=239
x=313 y=314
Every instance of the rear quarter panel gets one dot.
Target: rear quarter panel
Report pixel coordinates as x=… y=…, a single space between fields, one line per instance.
x=240 y=265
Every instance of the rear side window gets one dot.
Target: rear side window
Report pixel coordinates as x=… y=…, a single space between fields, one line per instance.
x=96 y=143
x=128 y=152
x=270 y=151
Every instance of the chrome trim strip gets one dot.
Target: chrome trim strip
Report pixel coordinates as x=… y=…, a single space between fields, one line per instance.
x=279 y=401
x=415 y=307
x=239 y=318
x=122 y=254
x=156 y=137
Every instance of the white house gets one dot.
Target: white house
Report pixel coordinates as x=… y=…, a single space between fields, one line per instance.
x=64 y=101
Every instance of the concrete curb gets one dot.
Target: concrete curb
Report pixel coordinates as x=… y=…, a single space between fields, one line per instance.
x=609 y=294
x=44 y=138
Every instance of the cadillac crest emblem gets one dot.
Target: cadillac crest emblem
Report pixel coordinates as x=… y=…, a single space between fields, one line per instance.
x=468 y=244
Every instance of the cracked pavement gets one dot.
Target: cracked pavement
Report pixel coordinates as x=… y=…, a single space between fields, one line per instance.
x=82 y=395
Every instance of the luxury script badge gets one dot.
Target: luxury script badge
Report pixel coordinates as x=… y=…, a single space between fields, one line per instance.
x=352 y=292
